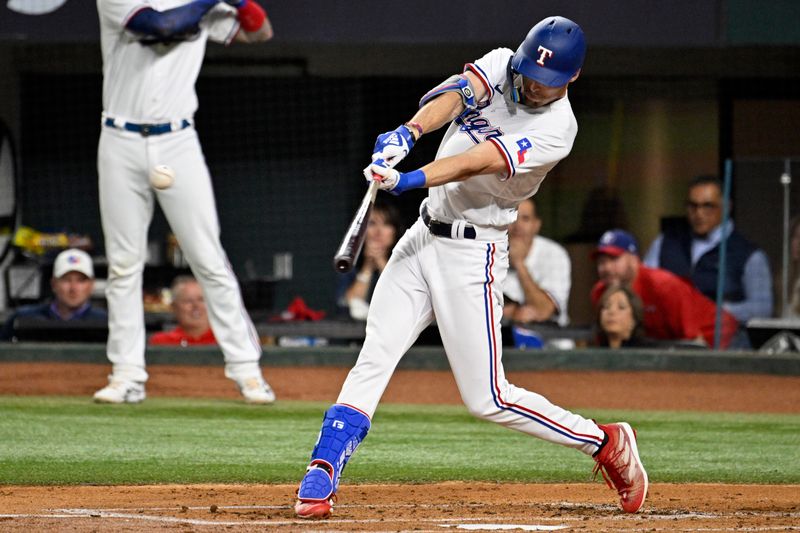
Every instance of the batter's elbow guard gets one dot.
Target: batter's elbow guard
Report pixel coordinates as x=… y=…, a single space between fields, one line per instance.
x=457 y=83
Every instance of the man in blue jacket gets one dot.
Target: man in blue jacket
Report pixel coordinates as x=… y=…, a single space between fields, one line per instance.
x=692 y=251
x=72 y=284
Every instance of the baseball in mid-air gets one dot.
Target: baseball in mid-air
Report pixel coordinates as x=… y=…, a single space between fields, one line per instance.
x=162 y=177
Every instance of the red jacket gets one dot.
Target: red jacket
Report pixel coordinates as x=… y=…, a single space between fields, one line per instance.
x=674 y=308
x=178 y=337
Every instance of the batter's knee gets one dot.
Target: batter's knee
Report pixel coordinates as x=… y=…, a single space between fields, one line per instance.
x=483 y=408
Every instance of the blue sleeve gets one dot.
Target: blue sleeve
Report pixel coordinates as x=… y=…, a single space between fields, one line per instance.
x=651 y=259
x=757 y=281
x=171 y=23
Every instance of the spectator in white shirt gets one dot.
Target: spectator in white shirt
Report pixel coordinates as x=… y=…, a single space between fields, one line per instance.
x=538 y=282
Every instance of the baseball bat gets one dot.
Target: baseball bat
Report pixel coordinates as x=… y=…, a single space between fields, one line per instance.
x=350 y=248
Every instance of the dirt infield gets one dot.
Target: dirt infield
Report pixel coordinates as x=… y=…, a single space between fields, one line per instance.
x=585 y=507
x=430 y=507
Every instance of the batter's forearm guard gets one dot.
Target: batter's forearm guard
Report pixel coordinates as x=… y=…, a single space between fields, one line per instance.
x=457 y=83
x=343 y=429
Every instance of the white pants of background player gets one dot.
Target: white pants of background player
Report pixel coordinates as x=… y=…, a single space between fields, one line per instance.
x=459 y=281
x=126 y=208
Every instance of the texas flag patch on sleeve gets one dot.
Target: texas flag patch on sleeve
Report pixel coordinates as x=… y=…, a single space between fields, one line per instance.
x=524 y=146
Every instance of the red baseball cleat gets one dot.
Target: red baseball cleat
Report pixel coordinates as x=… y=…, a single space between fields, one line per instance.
x=618 y=461
x=313 y=509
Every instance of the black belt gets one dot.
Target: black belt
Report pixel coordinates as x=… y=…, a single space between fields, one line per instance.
x=443 y=229
x=145 y=130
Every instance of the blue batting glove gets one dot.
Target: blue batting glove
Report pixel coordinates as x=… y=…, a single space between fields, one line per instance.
x=393 y=146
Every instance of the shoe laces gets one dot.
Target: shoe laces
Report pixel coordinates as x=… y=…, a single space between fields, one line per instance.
x=611 y=468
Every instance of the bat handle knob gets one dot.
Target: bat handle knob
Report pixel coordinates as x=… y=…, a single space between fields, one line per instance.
x=342 y=265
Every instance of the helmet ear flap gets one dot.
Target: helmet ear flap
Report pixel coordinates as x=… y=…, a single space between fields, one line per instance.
x=514 y=82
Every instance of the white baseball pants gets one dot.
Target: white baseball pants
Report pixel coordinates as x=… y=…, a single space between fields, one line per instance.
x=459 y=282
x=126 y=208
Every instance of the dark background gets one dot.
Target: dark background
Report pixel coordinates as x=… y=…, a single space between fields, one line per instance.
x=669 y=90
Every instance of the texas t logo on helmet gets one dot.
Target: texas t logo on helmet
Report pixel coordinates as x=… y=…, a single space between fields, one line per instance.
x=545 y=52
x=551 y=54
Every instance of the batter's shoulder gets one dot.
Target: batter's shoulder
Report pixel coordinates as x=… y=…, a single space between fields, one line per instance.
x=494 y=61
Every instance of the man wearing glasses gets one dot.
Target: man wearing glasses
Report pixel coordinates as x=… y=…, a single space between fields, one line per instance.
x=693 y=252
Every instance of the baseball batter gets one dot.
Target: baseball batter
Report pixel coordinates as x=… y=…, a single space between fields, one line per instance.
x=152 y=53
x=510 y=123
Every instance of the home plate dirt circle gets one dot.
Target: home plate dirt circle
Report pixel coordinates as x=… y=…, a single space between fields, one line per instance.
x=430 y=507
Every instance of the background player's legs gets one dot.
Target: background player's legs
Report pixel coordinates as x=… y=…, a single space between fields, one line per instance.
x=190 y=209
x=399 y=310
x=126 y=208
x=466 y=282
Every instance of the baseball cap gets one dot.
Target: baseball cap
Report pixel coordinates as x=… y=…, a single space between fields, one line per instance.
x=616 y=242
x=73 y=260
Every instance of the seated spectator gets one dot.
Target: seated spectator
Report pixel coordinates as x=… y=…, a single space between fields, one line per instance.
x=692 y=251
x=354 y=289
x=190 y=312
x=673 y=308
x=620 y=319
x=72 y=284
x=538 y=281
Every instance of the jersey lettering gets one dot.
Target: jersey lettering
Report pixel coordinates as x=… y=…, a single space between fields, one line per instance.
x=474 y=124
x=544 y=53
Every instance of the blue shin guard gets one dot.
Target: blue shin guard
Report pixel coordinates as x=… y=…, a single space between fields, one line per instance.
x=343 y=429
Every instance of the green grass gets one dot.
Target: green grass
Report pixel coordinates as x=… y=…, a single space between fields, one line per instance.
x=70 y=440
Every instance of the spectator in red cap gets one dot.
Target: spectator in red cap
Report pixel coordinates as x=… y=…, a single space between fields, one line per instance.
x=72 y=284
x=673 y=308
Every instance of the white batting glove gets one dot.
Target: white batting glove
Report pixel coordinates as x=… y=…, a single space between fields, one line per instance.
x=380 y=172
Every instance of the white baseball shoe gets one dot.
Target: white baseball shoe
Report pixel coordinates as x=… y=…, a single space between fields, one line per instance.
x=255 y=390
x=120 y=391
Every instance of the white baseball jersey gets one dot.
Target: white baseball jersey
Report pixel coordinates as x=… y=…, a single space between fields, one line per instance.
x=549 y=265
x=530 y=140
x=459 y=281
x=153 y=83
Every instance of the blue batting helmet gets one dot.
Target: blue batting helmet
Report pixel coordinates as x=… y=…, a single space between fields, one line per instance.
x=552 y=53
